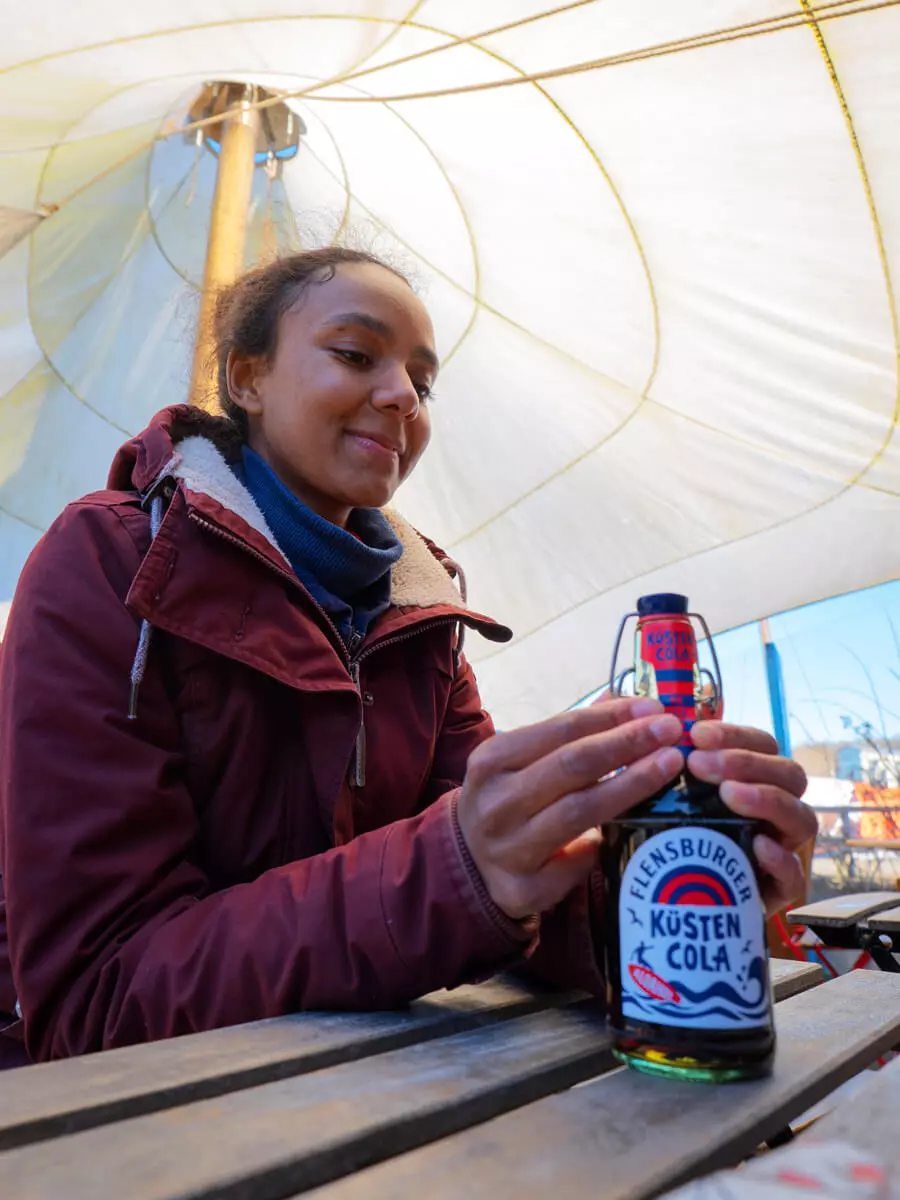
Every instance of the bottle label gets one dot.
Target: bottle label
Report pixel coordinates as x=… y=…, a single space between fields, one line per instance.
x=692 y=938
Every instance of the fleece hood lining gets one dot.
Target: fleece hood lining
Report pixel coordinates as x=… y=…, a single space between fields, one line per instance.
x=418 y=579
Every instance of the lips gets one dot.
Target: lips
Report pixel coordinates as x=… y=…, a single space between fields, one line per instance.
x=378 y=439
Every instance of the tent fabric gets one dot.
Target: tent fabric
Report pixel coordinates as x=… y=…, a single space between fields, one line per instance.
x=663 y=284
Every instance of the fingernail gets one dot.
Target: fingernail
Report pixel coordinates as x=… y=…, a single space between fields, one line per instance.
x=708 y=765
x=645 y=707
x=744 y=794
x=666 y=727
x=670 y=761
x=767 y=851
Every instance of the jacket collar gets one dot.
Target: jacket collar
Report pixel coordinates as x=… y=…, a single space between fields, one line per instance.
x=187 y=445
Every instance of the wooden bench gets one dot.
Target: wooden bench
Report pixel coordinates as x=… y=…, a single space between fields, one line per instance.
x=868 y=1122
x=851 y=923
x=852 y=1152
x=860 y=843
x=492 y=1090
x=887 y=920
x=858 y=860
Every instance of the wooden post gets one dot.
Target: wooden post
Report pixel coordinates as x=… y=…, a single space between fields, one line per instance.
x=227 y=239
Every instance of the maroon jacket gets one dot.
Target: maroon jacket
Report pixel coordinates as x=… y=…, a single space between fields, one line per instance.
x=218 y=858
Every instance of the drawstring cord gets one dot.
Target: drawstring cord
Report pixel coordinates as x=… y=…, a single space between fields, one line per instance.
x=460 y=574
x=139 y=666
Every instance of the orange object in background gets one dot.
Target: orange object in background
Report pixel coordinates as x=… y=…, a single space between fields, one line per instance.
x=777 y=932
x=878 y=825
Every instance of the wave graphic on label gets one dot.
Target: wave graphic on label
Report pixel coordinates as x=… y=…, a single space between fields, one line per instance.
x=726 y=1001
x=692 y=949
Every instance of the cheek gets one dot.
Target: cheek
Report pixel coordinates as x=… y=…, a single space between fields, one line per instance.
x=419 y=437
x=295 y=414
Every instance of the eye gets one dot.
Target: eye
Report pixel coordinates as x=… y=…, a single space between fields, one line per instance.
x=423 y=391
x=356 y=358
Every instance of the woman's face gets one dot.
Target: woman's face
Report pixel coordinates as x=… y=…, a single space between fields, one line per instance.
x=341 y=413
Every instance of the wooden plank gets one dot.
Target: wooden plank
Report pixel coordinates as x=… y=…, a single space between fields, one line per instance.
x=63 y=1097
x=868 y=1120
x=628 y=1136
x=791 y=978
x=843 y=910
x=266 y=1142
x=888 y=920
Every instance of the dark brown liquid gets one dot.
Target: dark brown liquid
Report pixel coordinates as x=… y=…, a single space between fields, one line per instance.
x=715 y=1055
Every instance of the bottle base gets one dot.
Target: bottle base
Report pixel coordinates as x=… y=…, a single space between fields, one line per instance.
x=672 y=1065
x=704 y=1056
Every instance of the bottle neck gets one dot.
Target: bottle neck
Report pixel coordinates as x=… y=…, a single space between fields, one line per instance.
x=665 y=667
x=686 y=797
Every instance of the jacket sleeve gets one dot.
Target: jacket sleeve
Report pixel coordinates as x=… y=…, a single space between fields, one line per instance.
x=565 y=951
x=115 y=935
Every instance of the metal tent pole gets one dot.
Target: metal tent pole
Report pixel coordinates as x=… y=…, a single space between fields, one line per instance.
x=227 y=238
x=775 y=680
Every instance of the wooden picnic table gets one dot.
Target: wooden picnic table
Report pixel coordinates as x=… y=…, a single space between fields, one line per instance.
x=491 y=1090
x=861 y=921
x=867 y=843
x=887 y=920
x=857 y=860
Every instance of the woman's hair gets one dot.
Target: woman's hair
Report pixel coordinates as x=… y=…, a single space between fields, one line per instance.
x=248 y=312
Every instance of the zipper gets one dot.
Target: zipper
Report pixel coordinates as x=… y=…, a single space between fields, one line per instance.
x=288 y=576
x=357 y=770
x=351 y=653
x=358 y=767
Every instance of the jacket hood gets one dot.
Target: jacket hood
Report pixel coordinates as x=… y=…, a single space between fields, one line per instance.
x=141 y=461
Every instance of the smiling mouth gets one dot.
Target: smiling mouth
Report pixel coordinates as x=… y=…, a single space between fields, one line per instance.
x=375 y=443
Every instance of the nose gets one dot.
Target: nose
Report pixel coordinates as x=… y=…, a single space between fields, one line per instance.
x=395 y=392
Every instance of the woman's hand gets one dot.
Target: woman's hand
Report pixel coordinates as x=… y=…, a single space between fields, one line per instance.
x=755 y=781
x=533 y=798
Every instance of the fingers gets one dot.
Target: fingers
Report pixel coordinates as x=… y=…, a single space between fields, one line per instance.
x=794 y=821
x=748 y=766
x=521 y=747
x=558 y=824
x=520 y=894
x=783 y=882
x=578 y=765
x=716 y=735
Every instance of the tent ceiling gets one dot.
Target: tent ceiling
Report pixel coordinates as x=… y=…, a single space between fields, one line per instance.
x=663 y=286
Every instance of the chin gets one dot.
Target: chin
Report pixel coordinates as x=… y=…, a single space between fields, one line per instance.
x=372 y=495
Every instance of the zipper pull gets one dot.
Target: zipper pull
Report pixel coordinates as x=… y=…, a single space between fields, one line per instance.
x=358 y=769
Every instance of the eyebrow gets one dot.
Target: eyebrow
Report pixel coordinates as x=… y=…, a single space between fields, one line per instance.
x=384 y=330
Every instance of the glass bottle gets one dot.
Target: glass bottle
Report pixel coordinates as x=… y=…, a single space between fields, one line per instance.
x=688 y=992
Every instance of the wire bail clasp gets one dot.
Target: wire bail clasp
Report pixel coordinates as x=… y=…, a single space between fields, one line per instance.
x=709 y=706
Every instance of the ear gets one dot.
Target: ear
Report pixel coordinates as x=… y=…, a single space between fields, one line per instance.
x=243 y=374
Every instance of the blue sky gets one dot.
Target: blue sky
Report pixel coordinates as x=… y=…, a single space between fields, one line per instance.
x=835 y=656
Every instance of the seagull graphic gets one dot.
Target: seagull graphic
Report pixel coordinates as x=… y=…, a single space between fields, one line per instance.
x=748 y=946
x=635 y=919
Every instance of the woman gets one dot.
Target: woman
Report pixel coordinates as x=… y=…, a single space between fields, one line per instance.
x=245 y=766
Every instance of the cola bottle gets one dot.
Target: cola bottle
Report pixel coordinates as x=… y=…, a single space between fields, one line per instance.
x=688 y=991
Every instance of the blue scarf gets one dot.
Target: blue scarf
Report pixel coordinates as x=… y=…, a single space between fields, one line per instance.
x=349 y=576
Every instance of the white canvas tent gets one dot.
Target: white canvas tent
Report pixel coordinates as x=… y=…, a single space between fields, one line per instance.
x=660 y=242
